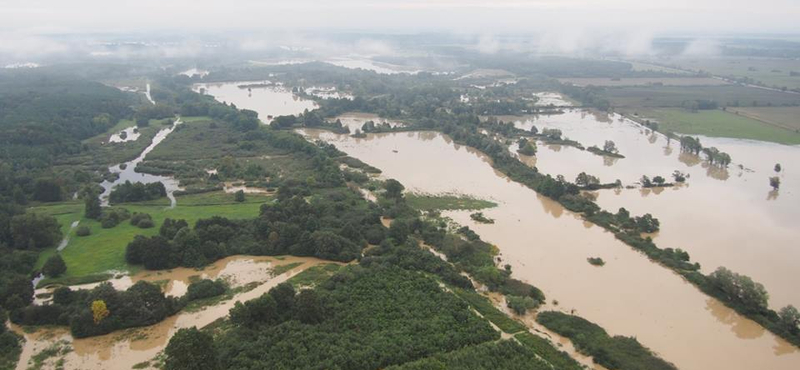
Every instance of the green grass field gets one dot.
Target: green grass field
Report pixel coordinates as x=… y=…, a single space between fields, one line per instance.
x=674 y=96
x=718 y=123
x=104 y=249
x=786 y=117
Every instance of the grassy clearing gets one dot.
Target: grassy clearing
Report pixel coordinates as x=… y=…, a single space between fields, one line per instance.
x=104 y=249
x=426 y=202
x=314 y=275
x=280 y=270
x=485 y=308
x=718 y=123
x=786 y=117
x=674 y=96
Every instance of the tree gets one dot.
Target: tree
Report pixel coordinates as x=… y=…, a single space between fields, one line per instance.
x=777 y=167
x=775 y=182
x=610 y=147
x=47 y=190
x=659 y=181
x=645 y=181
x=239 y=197
x=54 y=266
x=394 y=189
x=585 y=180
x=679 y=176
x=99 y=311
x=34 y=231
x=191 y=349
x=790 y=318
x=92 y=207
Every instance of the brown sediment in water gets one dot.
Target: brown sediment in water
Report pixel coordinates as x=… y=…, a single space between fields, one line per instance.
x=548 y=246
x=123 y=349
x=700 y=215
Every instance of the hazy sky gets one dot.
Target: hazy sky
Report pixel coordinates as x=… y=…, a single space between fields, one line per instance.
x=463 y=16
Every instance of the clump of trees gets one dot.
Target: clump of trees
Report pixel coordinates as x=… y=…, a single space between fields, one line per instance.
x=526 y=147
x=740 y=289
x=479 y=217
x=713 y=155
x=521 y=305
x=136 y=192
x=206 y=288
x=101 y=310
x=113 y=216
x=142 y=220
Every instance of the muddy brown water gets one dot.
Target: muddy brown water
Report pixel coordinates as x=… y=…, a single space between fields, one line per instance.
x=547 y=245
x=273 y=100
x=125 y=348
x=722 y=216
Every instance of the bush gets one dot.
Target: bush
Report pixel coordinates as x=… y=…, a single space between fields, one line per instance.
x=83 y=231
x=138 y=218
x=146 y=224
x=520 y=305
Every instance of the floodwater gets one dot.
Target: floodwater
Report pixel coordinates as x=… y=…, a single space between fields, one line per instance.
x=65 y=241
x=131 y=134
x=370 y=65
x=551 y=98
x=128 y=173
x=722 y=217
x=548 y=246
x=268 y=99
x=125 y=348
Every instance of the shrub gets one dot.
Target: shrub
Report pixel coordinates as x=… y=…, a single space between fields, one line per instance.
x=83 y=231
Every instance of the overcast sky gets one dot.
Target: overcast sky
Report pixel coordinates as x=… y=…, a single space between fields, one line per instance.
x=461 y=16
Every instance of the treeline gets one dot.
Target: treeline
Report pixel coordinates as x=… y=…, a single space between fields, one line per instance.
x=336 y=226
x=137 y=192
x=617 y=352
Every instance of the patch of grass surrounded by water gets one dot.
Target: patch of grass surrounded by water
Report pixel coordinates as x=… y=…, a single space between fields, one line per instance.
x=427 y=202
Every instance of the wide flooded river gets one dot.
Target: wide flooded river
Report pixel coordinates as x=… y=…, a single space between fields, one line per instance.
x=125 y=348
x=266 y=98
x=548 y=246
x=722 y=217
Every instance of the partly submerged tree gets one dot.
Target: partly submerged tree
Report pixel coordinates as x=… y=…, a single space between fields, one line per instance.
x=775 y=182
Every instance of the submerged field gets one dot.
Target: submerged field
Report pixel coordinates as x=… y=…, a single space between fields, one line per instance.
x=717 y=123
